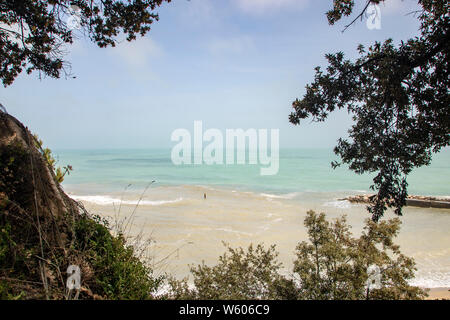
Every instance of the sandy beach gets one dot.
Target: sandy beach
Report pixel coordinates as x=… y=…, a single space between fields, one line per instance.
x=439 y=293
x=188 y=229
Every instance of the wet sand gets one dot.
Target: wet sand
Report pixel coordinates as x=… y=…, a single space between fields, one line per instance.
x=439 y=293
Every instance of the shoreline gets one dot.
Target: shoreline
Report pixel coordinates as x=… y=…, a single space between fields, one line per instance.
x=179 y=215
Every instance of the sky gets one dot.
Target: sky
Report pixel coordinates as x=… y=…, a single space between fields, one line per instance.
x=229 y=63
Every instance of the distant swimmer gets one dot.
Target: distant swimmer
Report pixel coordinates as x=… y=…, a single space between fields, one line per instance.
x=204 y=196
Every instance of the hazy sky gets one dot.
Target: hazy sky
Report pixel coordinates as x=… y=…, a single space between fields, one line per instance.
x=229 y=63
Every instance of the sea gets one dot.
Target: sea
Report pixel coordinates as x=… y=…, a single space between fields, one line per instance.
x=188 y=212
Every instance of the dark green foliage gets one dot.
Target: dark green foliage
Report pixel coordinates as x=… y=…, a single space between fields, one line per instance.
x=14 y=173
x=240 y=274
x=18 y=235
x=335 y=266
x=33 y=32
x=19 y=246
x=110 y=268
x=117 y=272
x=398 y=97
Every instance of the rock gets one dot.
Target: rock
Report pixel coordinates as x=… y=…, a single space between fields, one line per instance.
x=30 y=184
x=412 y=201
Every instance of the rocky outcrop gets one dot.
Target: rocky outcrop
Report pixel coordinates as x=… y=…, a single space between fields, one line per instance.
x=36 y=216
x=49 y=194
x=412 y=201
x=33 y=185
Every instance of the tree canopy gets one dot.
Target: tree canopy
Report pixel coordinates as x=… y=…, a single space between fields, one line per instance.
x=33 y=32
x=398 y=97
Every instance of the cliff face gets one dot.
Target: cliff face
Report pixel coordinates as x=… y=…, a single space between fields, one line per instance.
x=27 y=180
x=49 y=195
x=35 y=215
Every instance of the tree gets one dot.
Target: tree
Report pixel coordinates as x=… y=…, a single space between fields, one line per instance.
x=335 y=266
x=33 y=34
x=240 y=274
x=398 y=97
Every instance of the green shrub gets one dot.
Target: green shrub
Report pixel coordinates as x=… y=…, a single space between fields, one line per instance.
x=240 y=274
x=334 y=265
x=117 y=272
x=51 y=161
x=111 y=269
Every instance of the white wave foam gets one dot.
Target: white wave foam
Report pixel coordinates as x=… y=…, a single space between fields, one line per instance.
x=341 y=204
x=291 y=195
x=107 y=200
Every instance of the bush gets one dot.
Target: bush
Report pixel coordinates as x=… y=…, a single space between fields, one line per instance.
x=336 y=266
x=117 y=272
x=240 y=274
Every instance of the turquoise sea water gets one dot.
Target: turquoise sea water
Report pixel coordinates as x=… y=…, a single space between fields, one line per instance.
x=243 y=207
x=300 y=170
